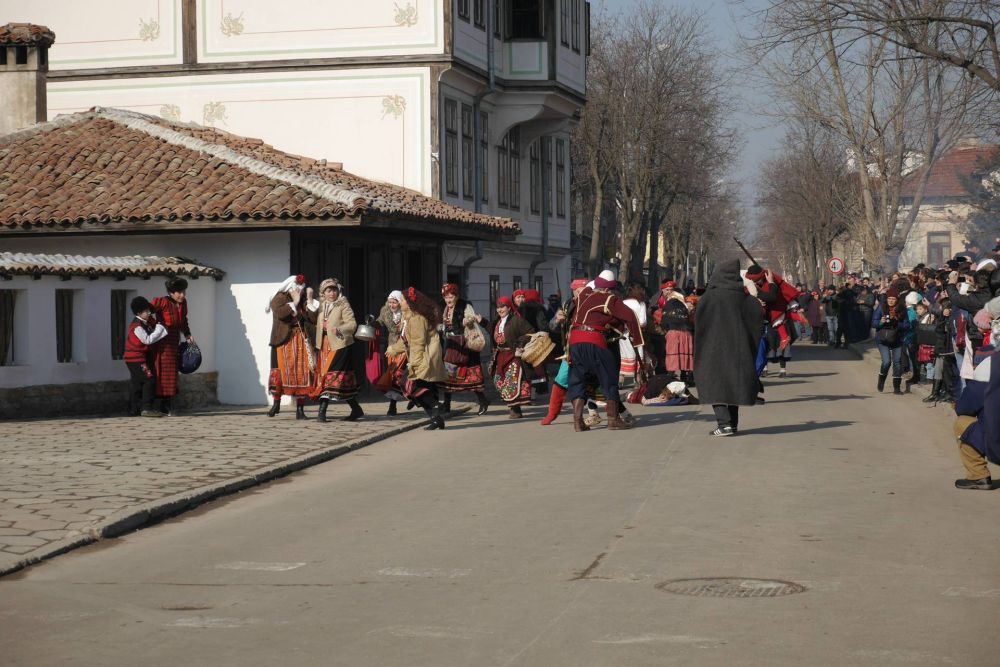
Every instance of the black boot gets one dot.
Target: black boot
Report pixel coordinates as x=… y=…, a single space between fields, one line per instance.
x=392 y=409
x=895 y=386
x=935 y=395
x=515 y=412
x=483 y=403
x=356 y=412
x=323 y=405
x=446 y=404
x=300 y=411
x=881 y=381
x=275 y=407
x=165 y=407
x=437 y=421
x=409 y=406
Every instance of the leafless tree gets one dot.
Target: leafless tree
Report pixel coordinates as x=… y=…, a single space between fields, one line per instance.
x=895 y=114
x=653 y=132
x=809 y=198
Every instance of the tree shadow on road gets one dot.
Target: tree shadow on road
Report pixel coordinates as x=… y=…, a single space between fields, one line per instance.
x=795 y=428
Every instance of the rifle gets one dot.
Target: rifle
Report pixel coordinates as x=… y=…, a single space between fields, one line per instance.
x=745 y=251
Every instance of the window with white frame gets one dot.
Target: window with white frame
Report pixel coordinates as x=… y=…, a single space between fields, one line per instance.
x=547 y=166
x=70 y=341
x=484 y=155
x=575 y=18
x=561 y=178
x=534 y=178
x=8 y=303
x=468 y=165
x=564 y=12
x=479 y=13
x=503 y=171
x=451 y=146
x=514 y=145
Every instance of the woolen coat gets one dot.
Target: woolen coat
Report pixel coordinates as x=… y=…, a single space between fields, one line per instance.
x=335 y=316
x=729 y=324
x=423 y=346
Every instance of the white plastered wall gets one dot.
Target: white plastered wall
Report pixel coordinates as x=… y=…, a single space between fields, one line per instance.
x=227 y=317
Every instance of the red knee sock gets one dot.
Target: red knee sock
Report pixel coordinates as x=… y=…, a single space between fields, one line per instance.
x=555 y=404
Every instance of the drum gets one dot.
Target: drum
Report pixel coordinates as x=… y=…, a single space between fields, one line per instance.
x=538 y=349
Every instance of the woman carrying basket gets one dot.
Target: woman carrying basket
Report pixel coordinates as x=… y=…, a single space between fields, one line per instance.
x=464 y=341
x=510 y=333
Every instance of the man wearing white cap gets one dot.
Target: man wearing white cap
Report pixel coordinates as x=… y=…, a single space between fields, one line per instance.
x=598 y=311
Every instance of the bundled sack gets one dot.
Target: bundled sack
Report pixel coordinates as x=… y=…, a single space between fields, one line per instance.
x=188 y=358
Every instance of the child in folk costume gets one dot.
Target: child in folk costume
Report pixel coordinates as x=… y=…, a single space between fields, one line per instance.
x=425 y=358
x=143 y=333
x=293 y=362
x=335 y=327
x=391 y=317
x=463 y=365
x=172 y=312
x=510 y=333
x=631 y=359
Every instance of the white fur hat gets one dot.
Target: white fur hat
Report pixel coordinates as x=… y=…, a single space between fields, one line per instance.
x=395 y=294
x=677 y=388
x=912 y=299
x=607 y=274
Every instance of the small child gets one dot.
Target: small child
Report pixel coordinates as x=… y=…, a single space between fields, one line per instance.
x=925 y=352
x=143 y=332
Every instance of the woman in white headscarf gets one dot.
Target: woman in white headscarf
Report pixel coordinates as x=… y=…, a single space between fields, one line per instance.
x=391 y=317
x=293 y=362
x=335 y=327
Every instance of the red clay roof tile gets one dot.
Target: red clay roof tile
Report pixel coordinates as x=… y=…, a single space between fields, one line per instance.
x=117 y=167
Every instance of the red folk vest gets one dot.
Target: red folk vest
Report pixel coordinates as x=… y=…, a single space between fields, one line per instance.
x=136 y=351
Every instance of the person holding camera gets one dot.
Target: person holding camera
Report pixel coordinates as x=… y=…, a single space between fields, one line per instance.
x=891 y=324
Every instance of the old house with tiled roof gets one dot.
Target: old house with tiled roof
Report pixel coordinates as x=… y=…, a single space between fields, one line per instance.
x=84 y=194
x=471 y=102
x=936 y=235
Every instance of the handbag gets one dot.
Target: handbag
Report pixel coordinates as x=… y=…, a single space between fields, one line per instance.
x=888 y=336
x=925 y=354
x=927 y=333
x=474 y=338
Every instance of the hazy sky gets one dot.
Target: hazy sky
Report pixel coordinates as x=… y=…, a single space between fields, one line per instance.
x=759 y=135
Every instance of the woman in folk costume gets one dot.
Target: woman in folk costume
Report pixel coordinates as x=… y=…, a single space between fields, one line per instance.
x=463 y=365
x=335 y=327
x=172 y=312
x=510 y=333
x=636 y=300
x=424 y=356
x=391 y=317
x=676 y=320
x=293 y=362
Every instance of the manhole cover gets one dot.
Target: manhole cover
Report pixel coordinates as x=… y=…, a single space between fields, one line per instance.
x=731 y=587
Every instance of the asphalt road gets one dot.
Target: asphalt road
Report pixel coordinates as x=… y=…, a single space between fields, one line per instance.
x=508 y=543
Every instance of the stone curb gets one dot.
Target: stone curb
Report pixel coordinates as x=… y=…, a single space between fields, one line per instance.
x=163 y=508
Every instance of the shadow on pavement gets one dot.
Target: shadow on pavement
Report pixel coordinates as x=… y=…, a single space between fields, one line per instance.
x=821 y=397
x=795 y=428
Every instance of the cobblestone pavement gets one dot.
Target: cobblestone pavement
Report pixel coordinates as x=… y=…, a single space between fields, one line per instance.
x=66 y=482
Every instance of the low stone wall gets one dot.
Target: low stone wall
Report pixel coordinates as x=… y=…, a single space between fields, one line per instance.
x=97 y=398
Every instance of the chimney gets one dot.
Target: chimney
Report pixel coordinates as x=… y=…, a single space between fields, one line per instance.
x=24 y=61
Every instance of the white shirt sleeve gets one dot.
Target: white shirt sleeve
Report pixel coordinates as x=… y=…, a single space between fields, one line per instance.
x=159 y=333
x=313 y=305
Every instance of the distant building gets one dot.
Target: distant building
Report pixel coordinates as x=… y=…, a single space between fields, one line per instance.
x=936 y=237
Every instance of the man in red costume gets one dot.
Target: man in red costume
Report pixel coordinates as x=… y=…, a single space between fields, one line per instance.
x=776 y=294
x=597 y=311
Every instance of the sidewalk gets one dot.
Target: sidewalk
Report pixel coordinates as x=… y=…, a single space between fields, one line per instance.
x=69 y=482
